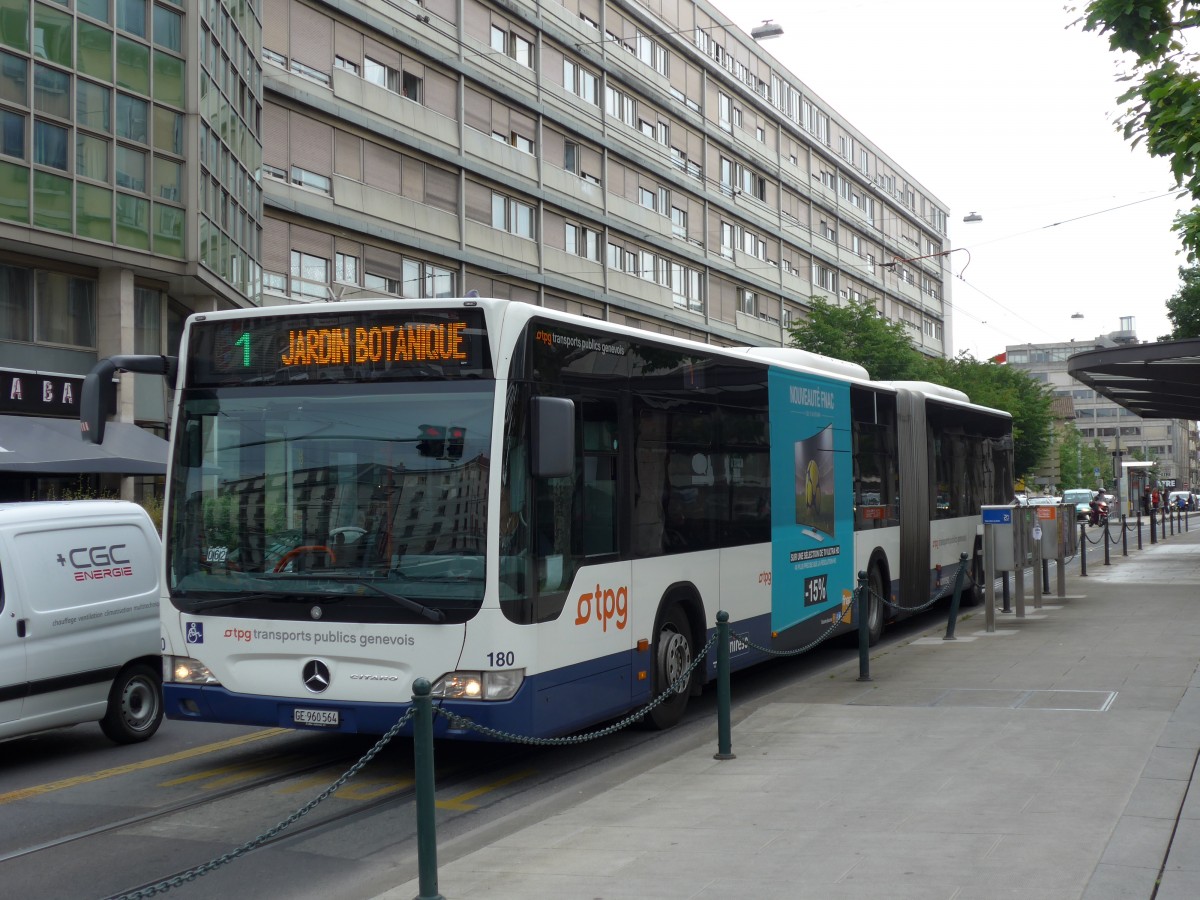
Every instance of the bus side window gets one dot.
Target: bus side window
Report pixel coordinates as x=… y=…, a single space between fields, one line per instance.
x=599 y=477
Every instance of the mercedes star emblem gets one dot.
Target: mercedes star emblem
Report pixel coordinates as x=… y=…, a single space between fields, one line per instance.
x=316 y=676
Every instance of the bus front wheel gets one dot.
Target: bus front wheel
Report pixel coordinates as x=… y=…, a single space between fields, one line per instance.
x=673 y=654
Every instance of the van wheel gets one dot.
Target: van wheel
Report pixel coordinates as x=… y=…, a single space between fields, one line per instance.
x=135 y=705
x=672 y=652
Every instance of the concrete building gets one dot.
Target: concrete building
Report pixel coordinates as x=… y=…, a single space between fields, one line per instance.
x=644 y=163
x=1171 y=443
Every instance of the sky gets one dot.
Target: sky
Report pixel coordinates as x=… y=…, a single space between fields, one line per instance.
x=1007 y=110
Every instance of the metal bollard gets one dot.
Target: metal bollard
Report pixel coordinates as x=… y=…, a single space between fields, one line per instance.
x=1082 y=550
x=1124 y=537
x=954 y=601
x=1106 y=560
x=1139 y=521
x=1154 y=527
x=1045 y=575
x=864 y=635
x=426 y=803
x=724 y=732
x=1004 y=590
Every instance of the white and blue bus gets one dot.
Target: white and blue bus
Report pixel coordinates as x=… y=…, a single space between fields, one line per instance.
x=539 y=513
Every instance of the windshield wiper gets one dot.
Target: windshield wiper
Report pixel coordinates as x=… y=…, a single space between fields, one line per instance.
x=425 y=612
x=231 y=599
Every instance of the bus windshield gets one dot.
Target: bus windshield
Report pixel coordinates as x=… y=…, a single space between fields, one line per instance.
x=369 y=499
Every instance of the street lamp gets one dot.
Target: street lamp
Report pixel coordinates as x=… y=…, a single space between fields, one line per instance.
x=766 y=31
x=973 y=217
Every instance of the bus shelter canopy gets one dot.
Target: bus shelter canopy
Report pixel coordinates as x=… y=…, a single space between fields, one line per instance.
x=1154 y=381
x=44 y=446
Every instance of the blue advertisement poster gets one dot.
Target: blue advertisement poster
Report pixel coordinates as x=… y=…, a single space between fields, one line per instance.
x=812 y=512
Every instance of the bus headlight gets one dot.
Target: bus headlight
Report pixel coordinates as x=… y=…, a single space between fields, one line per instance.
x=499 y=685
x=185 y=670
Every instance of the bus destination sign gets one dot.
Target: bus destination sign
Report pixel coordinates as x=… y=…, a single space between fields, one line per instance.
x=340 y=346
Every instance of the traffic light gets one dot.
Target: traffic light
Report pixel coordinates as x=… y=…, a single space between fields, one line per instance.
x=432 y=441
x=454 y=442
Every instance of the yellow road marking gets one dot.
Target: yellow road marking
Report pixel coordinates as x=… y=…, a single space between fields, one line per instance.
x=52 y=786
x=460 y=802
x=369 y=790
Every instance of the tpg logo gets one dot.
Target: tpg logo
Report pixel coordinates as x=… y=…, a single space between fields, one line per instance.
x=604 y=605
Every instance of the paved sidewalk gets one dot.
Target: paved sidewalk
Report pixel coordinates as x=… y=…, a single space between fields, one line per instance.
x=1051 y=759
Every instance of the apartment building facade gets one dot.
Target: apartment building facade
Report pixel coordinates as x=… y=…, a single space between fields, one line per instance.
x=1172 y=444
x=644 y=163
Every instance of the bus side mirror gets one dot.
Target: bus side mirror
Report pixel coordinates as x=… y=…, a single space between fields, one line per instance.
x=553 y=437
x=99 y=395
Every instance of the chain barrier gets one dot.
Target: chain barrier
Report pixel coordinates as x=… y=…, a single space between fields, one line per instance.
x=677 y=686
x=946 y=588
x=837 y=620
x=190 y=875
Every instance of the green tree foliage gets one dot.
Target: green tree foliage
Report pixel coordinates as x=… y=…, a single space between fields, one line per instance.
x=1163 y=95
x=856 y=333
x=1079 y=459
x=1184 y=308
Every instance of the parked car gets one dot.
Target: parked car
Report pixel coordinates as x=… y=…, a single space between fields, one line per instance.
x=79 y=635
x=1044 y=501
x=1082 y=498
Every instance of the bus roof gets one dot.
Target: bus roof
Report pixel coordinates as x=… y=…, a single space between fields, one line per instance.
x=787 y=357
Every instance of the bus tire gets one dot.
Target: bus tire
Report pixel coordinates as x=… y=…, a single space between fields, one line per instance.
x=135 y=705
x=672 y=652
x=875 y=609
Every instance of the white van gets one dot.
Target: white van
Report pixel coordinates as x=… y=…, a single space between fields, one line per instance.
x=79 y=633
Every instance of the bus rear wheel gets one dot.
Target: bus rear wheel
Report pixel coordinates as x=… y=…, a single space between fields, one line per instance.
x=672 y=652
x=875 y=595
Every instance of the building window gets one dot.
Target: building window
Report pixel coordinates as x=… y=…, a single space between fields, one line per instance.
x=312 y=180
x=345 y=268
x=581 y=82
x=725 y=111
x=65 y=309
x=512 y=216
x=512 y=45
x=619 y=105
x=310 y=275
x=824 y=277
x=581 y=241
x=678 y=222
x=147 y=320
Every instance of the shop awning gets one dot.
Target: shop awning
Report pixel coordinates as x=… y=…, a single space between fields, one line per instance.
x=43 y=446
x=1154 y=381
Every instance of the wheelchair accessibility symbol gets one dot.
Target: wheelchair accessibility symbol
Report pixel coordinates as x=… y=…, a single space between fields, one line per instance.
x=195 y=633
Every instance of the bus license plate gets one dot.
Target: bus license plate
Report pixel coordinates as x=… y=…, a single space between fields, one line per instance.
x=315 y=716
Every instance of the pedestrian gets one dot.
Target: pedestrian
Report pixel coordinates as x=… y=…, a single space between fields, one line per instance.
x=1154 y=500
x=1146 y=502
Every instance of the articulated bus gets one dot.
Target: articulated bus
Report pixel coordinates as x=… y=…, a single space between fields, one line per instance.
x=539 y=513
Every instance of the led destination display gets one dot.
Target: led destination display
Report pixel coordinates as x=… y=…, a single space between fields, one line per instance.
x=339 y=346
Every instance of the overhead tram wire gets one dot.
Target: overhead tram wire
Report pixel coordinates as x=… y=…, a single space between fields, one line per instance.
x=1089 y=215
